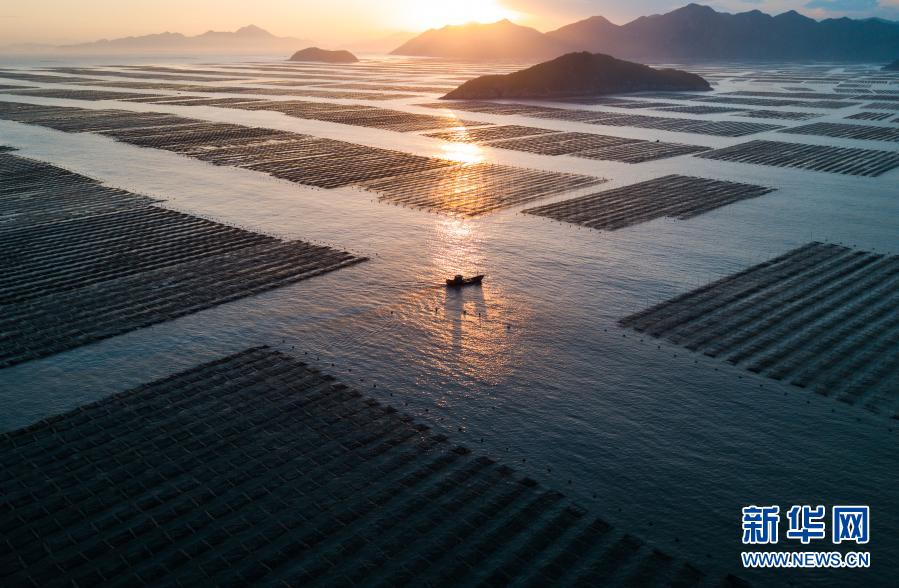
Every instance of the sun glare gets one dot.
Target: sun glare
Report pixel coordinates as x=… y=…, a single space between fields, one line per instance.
x=462 y=152
x=429 y=15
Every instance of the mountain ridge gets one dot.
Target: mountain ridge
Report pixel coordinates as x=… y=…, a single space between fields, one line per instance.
x=500 y=40
x=692 y=32
x=247 y=39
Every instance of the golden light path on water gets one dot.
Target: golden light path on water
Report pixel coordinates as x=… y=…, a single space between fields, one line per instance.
x=462 y=152
x=468 y=330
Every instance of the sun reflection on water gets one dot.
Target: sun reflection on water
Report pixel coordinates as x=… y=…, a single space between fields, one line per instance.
x=456 y=247
x=469 y=329
x=462 y=152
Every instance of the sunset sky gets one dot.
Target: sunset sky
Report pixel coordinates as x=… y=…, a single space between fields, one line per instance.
x=62 y=21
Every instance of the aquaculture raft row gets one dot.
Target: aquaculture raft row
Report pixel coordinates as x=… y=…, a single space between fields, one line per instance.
x=598 y=117
x=777 y=114
x=845 y=131
x=133 y=72
x=788 y=95
x=464 y=134
x=672 y=196
x=585 y=145
x=699 y=109
x=269 y=91
x=80 y=262
x=591 y=146
x=41 y=78
x=82 y=120
x=560 y=143
x=639 y=151
x=612 y=101
x=440 y=184
x=393 y=88
x=79 y=94
x=34 y=193
x=838 y=160
x=345 y=114
x=869 y=116
x=260 y=470
x=476 y=189
x=823 y=317
x=828 y=104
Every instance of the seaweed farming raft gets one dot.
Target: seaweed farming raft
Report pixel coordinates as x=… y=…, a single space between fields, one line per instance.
x=869 y=116
x=433 y=183
x=617 y=119
x=823 y=317
x=476 y=189
x=824 y=158
x=257 y=469
x=83 y=262
x=846 y=131
x=671 y=196
x=585 y=145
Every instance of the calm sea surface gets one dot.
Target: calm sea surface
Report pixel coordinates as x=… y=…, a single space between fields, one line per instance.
x=532 y=368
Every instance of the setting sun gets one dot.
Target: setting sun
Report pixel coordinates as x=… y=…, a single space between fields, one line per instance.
x=429 y=15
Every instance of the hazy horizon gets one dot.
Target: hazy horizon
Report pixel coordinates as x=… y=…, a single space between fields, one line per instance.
x=57 y=22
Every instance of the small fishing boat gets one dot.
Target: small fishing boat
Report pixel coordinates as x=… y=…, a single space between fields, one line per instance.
x=458 y=281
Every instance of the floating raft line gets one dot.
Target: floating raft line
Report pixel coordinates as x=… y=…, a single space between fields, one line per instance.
x=788 y=95
x=476 y=189
x=846 y=131
x=464 y=134
x=43 y=78
x=443 y=185
x=700 y=109
x=258 y=469
x=870 y=116
x=681 y=125
x=672 y=196
x=777 y=114
x=824 y=158
x=823 y=104
x=101 y=95
x=81 y=262
x=584 y=145
x=79 y=94
x=823 y=317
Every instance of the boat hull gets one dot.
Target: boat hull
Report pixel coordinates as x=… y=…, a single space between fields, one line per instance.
x=472 y=281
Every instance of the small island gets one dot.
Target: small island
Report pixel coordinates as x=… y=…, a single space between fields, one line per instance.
x=578 y=74
x=892 y=66
x=323 y=56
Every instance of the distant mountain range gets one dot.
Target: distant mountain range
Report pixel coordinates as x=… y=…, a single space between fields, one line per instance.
x=248 y=40
x=694 y=32
x=500 y=40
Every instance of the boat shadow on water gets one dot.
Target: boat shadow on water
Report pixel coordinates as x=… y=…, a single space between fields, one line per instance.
x=456 y=312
